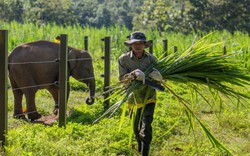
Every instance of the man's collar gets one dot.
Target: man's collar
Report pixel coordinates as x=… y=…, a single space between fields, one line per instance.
x=131 y=54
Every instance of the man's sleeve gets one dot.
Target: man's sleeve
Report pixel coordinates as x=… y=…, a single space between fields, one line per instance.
x=122 y=68
x=154 y=59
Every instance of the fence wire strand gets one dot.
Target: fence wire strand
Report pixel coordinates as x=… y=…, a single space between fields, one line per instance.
x=88 y=78
x=81 y=59
x=18 y=63
x=41 y=85
x=52 y=61
x=48 y=84
x=24 y=113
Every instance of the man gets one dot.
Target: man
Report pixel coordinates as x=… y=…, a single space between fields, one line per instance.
x=133 y=64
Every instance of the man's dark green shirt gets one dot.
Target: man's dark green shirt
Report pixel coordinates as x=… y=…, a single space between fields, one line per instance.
x=127 y=63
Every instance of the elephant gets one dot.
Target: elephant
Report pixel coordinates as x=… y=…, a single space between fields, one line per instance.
x=34 y=65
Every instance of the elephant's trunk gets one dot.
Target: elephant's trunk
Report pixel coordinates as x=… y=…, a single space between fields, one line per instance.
x=90 y=99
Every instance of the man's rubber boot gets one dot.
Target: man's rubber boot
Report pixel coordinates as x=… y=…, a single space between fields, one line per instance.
x=145 y=149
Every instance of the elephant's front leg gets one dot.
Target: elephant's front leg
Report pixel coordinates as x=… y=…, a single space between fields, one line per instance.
x=18 y=113
x=54 y=91
x=30 y=102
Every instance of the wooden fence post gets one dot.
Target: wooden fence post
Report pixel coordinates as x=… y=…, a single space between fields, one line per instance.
x=165 y=47
x=63 y=80
x=224 y=50
x=151 y=47
x=175 y=49
x=106 y=70
x=3 y=85
x=86 y=43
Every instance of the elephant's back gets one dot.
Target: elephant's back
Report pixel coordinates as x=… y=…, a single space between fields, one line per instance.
x=34 y=52
x=34 y=61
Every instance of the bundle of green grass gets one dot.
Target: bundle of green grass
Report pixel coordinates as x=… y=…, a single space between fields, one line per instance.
x=199 y=65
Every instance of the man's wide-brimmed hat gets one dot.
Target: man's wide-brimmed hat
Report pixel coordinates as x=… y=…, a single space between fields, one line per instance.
x=137 y=36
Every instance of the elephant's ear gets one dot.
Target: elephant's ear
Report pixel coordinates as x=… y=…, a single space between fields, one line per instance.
x=72 y=59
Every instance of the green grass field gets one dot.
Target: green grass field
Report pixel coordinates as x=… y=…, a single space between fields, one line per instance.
x=172 y=135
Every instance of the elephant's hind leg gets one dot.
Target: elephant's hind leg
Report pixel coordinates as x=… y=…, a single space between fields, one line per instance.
x=18 y=96
x=31 y=107
x=18 y=112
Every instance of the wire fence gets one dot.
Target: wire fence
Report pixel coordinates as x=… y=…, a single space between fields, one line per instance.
x=57 y=82
x=47 y=84
x=45 y=62
x=106 y=74
x=105 y=48
x=62 y=77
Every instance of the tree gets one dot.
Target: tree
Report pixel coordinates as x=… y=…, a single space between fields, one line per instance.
x=49 y=11
x=164 y=15
x=198 y=15
x=236 y=15
x=11 y=10
x=231 y=15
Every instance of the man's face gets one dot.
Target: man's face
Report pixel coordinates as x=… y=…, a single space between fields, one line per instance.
x=138 y=47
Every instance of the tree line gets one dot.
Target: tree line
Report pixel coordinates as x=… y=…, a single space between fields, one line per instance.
x=164 y=15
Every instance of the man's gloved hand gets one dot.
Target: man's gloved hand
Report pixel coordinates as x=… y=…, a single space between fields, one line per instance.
x=139 y=75
x=155 y=75
x=127 y=79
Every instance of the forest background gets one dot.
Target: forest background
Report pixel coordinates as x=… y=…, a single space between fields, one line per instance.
x=163 y=15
